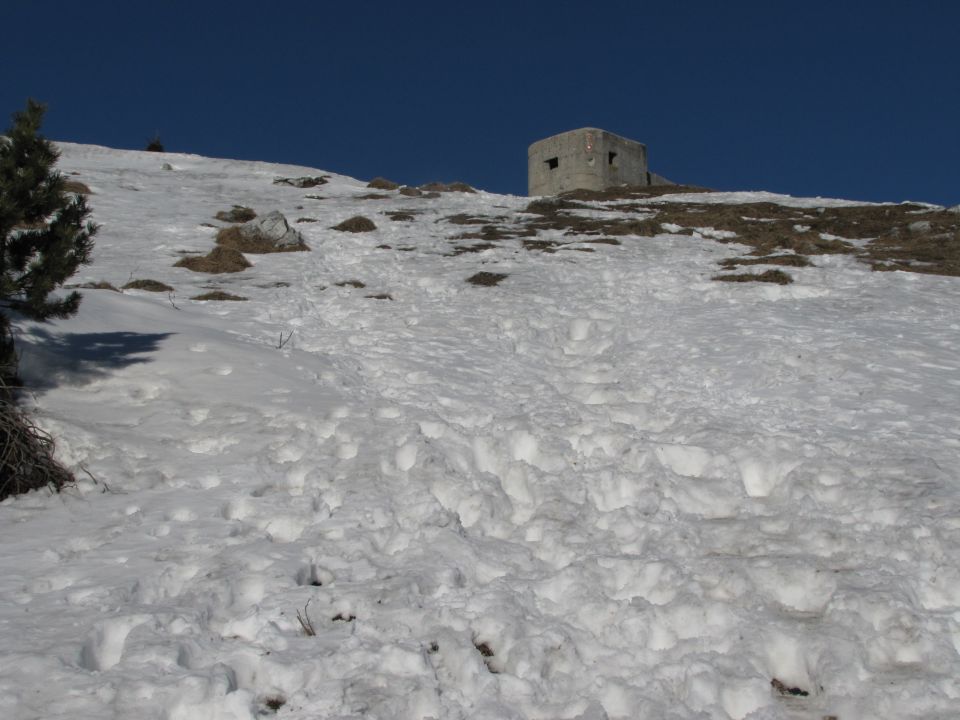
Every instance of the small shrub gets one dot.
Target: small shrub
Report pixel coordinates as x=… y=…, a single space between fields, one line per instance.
x=410 y=191
x=155 y=145
x=218 y=295
x=770 y=276
x=400 y=216
x=486 y=279
x=356 y=224
x=26 y=453
x=237 y=214
x=148 y=285
x=379 y=183
x=307 y=220
x=219 y=260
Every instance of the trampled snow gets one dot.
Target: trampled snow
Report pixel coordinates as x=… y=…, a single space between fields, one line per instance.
x=607 y=487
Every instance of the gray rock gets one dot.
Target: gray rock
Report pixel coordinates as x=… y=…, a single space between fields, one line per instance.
x=167 y=166
x=920 y=226
x=272 y=228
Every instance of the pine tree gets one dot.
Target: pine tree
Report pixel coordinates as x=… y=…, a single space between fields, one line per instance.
x=44 y=233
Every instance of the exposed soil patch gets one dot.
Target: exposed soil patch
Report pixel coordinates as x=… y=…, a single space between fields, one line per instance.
x=464 y=219
x=486 y=279
x=486 y=652
x=627 y=192
x=351 y=283
x=303 y=182
x=373 y=196
x=785 y=689
x=400 y=216
x=380 y=296
x=604 y=241
x=447 y=187
x=465 y=249
x=101 y=285
x=307 y=220
x=548 y=246
x=911 y=237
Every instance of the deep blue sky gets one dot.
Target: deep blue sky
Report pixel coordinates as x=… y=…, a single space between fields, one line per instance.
x=848 y=99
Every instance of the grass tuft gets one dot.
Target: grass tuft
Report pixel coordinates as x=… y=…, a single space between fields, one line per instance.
x=356 y=224
x=232 y=237
x=770 y=276
x=148 y=285
x=379 y=183
x=218 y=295
x=219 y=260
x=237 y=214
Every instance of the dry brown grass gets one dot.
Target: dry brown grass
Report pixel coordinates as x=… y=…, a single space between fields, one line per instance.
x=466 y=249
x=237 y=214
x=232 y=237
x=908 y=236
x=380 y=183
x=219 y=260
x=356 y=224
x=408 y=191
x=770 y=276
x=787 y=260
x=486 y=279
x=628 y=192
x=76 y=187
x=148 y=285
x=440 y=187
x=219 y=295
x=99 y=285
x=302 y=182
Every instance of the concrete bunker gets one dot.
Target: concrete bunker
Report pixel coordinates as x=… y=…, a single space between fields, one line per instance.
x=588 y=158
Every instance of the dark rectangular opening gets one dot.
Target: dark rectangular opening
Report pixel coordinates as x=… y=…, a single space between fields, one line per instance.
x=610 y=158
x=553 y=163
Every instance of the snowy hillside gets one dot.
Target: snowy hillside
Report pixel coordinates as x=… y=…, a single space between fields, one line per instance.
x=606 y=486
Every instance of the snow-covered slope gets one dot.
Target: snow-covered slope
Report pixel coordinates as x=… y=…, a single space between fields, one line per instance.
x=607 y=487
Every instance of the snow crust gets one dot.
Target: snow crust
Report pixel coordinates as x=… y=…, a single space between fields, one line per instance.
x=605 y=488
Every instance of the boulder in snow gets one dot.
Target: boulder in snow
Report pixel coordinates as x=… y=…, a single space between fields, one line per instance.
x=271 y=229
